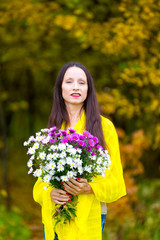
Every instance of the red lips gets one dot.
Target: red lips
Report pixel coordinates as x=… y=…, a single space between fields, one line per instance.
x=75 y=94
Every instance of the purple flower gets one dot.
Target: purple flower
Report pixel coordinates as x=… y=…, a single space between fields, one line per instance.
x=51 y=134
x=81 y=137
x=99 y=147
x=57 y=135
x=93 y=153
x=91 y=143
x=89 y=148
x=81 y=143
x=86 y=134
x=51 y=140
x=75 y=147
x=69 y=137
x=65 y=140
x=75 y=137
x=72 y=130
x=31 y=139
x=52 y=130
x=95 y=139
x=64 y=133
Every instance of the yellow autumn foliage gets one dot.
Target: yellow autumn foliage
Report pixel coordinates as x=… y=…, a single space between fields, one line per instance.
x=118 y=43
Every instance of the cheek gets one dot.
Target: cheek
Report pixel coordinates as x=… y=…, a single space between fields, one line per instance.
x=64 y=91
x=85 y=92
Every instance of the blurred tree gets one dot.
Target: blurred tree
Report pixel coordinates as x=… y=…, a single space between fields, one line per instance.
x=118 y=41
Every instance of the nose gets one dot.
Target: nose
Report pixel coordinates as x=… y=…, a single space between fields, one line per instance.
x=75 y=86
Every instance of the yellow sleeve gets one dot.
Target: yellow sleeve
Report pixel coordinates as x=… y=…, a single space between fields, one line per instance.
x=112 y=186
x=40 y=194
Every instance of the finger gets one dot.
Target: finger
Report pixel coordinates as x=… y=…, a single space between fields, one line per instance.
x=62 y=192
x=82 y=180
x=73 y=181
x=73 y=186
x=57 y=192
x=60 y=197
x=70 y=190
x=60 y=203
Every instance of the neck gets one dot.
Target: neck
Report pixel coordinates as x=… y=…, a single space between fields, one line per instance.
x=74 y=112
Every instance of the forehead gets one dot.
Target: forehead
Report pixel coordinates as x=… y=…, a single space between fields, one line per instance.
x=75 y=72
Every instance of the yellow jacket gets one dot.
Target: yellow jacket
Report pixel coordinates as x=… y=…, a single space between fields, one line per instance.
x=87 y=224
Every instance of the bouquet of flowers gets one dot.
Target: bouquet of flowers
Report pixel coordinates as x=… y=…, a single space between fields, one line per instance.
x=58 y=155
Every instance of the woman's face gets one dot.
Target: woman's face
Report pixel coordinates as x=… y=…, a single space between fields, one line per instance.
x=74 y=86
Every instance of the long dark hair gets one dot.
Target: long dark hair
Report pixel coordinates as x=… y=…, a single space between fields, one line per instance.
x=59 y=112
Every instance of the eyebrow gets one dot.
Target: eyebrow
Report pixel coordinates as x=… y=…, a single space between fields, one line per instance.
x=81 y=79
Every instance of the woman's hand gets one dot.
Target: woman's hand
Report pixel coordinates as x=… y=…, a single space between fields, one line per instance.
x=59 y=196
x=77 y=187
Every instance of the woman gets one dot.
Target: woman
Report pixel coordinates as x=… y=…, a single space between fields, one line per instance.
x=75 y=105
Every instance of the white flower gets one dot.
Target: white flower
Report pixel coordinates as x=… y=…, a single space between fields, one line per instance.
x=105 y=163
x=87 y=169
x=72 y=165
x=74 y=174
x=103 y=172
x=45 y=188
x=79 y=162
x=47 y=178
x=51 y=172
x=100 y=151
x=93 y=157
x=49 y=156
x=99 y=170
x=69 y=174
x=39 y=138
x=37 y=173
x=31 y=150
x=32 y=157
x=30 y=163
x=53 y=147
x=75 y=159
x=46 y=140
x=25 y=143
x=42 y=155
x=73 y=151
x=47 y=167
x=69 y=160
x=109 y=160
x=61 y=162
x=52 y=165
x=38 y=133
x=69 y=147
x=79 y=150
x=80 y=170
x=99 y=160
x=55 y=155
x=30 y=170
x=61 y=146
x=60 y=168
x=31 y=139
x=36 y=145
x=64 y=178
x=44 y=130
x=62 y=155
x=57 y=178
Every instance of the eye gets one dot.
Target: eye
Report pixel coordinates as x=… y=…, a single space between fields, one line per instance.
x=81 y=82
x=68 y=81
